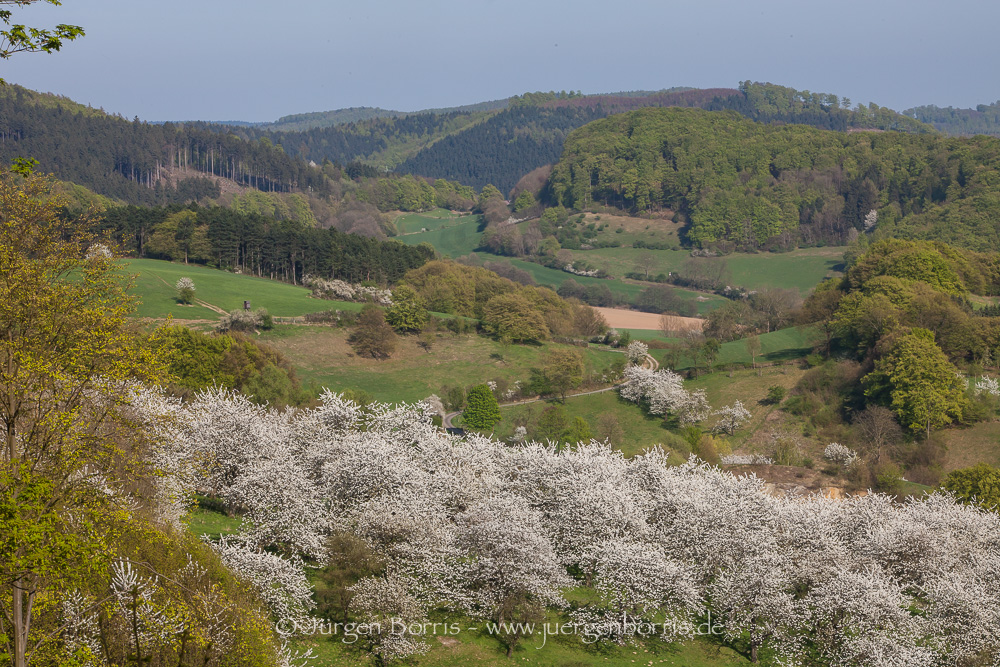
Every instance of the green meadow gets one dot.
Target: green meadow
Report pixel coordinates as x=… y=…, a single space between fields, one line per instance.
x=155 y=280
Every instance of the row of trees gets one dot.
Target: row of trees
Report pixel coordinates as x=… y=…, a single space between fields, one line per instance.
x=259 y=245
x=508 y=310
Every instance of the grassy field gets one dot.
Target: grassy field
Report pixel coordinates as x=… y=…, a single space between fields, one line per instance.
x=640 y=430
x=439 y=218
x=750 y=387
x=155 y=280
x=323 y=357
x=477 y=647
x=454 y=240
x=800 y=269
x=553 y=278
x=979 y=443
x=214 y=524
x=783 y=345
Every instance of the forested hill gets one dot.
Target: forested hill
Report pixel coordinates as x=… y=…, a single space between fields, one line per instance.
x=744 y=184
x=524 y=137
x=156 y=164
x=984 y=119
x=477 y=147
x=136 y=162
x=308 y=121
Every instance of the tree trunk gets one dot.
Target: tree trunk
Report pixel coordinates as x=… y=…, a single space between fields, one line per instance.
x=21 y=612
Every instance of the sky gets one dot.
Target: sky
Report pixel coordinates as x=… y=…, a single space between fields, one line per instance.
x=256 y=61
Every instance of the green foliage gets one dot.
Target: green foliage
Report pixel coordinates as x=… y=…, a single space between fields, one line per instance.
x=933 y=263
x=407 y=314
x=481 y=411
x=198 y=361
x=579 y=430
x=563 y=370
x=752 y=185
x=918 y=381
x=979 y=485
x=524 y=201
x=552 y=425
x=984 y=119
x=18 y=38
x=512 y=317
x=775 y=394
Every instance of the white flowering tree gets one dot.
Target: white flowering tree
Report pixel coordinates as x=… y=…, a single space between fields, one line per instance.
x=662 y=392
x=185 y=290
x=636 y=352
x=731 y=418
x=482 y=527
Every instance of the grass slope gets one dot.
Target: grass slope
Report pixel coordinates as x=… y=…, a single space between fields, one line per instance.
x=451 y=241
x=439 y=218
x=155 y=279
x=783 y=345
x=476 y=647
x=800 y=270
x=322 y=356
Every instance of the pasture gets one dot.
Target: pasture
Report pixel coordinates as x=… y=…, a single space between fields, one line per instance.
x=155 y=279
x=452 y=240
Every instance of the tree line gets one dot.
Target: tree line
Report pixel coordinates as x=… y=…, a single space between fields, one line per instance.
x=259 y=245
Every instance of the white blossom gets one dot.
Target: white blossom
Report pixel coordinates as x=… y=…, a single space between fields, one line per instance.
x=746 y=460
x=636 y=352
x=184 y=284
x=663 y=392
x=343 y=291
x=839 y=453
x=465 y=523
x=731 y=418
x=988 y=385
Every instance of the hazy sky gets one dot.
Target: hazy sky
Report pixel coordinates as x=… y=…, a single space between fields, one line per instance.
x=254 y=60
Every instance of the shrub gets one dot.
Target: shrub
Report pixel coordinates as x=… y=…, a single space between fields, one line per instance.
x=775 y=395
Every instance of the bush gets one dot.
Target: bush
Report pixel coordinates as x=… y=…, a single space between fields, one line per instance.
x=888 y=477
x=775 y=395
x=245 y=320
x=373 y=337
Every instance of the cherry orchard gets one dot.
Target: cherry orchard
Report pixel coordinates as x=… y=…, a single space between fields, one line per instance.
x=492 y=531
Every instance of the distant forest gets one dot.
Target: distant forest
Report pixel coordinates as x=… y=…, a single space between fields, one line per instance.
x=130 y=160
x=150 y=164
x=984 y=119
x=751 y=185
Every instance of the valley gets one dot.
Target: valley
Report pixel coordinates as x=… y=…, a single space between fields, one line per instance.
x=694 y=376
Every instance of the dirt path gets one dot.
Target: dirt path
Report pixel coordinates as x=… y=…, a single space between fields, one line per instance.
x=619 y=318
x=204 y=304
x=650 y=362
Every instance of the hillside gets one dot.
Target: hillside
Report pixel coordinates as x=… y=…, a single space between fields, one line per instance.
x=128 y=160
x=320 y=119
x=147 y=163
x=741 y=184
x=480 y=144
x=984 y=119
